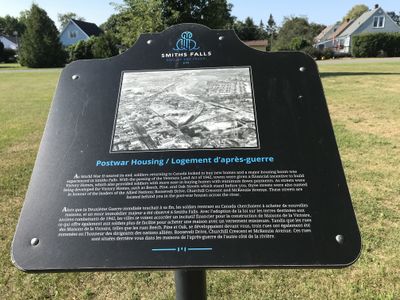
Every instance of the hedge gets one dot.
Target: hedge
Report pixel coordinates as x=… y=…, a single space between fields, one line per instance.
x=376 y=44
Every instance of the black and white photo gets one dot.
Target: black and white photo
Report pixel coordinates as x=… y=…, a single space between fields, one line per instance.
x=209 y=108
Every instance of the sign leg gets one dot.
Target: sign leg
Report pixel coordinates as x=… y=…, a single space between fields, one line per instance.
x=190 y=285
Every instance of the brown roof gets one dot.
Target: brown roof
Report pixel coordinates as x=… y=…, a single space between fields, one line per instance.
x=256 y=43
x=322 y=34
x=342 y=27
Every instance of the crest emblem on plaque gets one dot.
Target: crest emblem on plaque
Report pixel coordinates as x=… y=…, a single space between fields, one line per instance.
x=186 y=43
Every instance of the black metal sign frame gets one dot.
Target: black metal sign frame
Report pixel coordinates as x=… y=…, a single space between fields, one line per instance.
x=188 y=151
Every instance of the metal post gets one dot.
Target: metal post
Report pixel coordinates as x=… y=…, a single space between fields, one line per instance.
x=190 y=285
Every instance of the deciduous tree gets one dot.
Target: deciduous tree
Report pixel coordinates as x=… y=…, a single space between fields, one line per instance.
x=64 y=18
x=295 y=27
x=212 y=13
x=134 y=17
x=355 y=12
x=103 y=46
x=10 y=25
x=138 y=16
x=395 y=17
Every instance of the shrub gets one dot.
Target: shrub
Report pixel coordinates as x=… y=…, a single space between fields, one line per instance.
x=96 y=47
x=313 y=52
x=298 y=43
x=376 y=44
x=328 y=53
x=342 y=54
x=80 y=50
x=104 y=46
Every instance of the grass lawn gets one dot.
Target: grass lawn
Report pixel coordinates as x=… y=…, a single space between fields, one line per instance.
x=364 y=101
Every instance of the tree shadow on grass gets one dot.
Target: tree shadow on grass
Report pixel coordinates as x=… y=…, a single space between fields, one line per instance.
x=13 y=67
x=336 y=74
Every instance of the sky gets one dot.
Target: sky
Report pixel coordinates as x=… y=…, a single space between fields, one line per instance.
x=318 y=11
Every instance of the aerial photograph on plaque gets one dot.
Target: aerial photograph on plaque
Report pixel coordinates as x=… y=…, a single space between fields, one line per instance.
x=207 y=108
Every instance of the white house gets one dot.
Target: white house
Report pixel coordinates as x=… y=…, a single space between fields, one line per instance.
x=328 y=38
x=339 y=37
x=373 y=21
x=9 y=42
x=76 y=31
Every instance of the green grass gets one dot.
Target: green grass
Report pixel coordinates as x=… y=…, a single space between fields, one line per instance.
x=364 y=104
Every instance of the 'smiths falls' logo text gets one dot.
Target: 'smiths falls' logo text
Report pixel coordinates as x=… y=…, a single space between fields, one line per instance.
x=185 y=46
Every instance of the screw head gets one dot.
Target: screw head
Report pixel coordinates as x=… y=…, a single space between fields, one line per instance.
x=340 y=239
x=300 y=97
x=34 y=242
x=149 y=42
x=221 y=37
x=302 y=69
x=75 y=77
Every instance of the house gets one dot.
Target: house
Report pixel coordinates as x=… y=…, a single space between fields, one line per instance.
x=9 y=42
x=76 y=31
x=328 y=38
x=373 y=21
x=321 y=37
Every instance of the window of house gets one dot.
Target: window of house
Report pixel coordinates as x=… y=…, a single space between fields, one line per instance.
x=379 y=22
x=72 y=34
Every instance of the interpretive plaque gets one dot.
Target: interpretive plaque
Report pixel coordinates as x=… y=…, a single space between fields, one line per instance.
x=189 y=150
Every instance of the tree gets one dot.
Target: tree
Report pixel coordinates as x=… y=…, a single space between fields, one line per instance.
x=355 y=12
x=394 y=17
x=11 y=25
x=110 y=27
x=64 y=18
x=262 y=32
x=40 y=46
x=212 y=13
x=316 y=29
x=111 y=24
x=138 y=16
x=23 y=15
x=103 y=46
x=80 y=50
x=134 y=17
x=271 y=30
x=295 y=27
x=247 y=31
x=298 y=43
